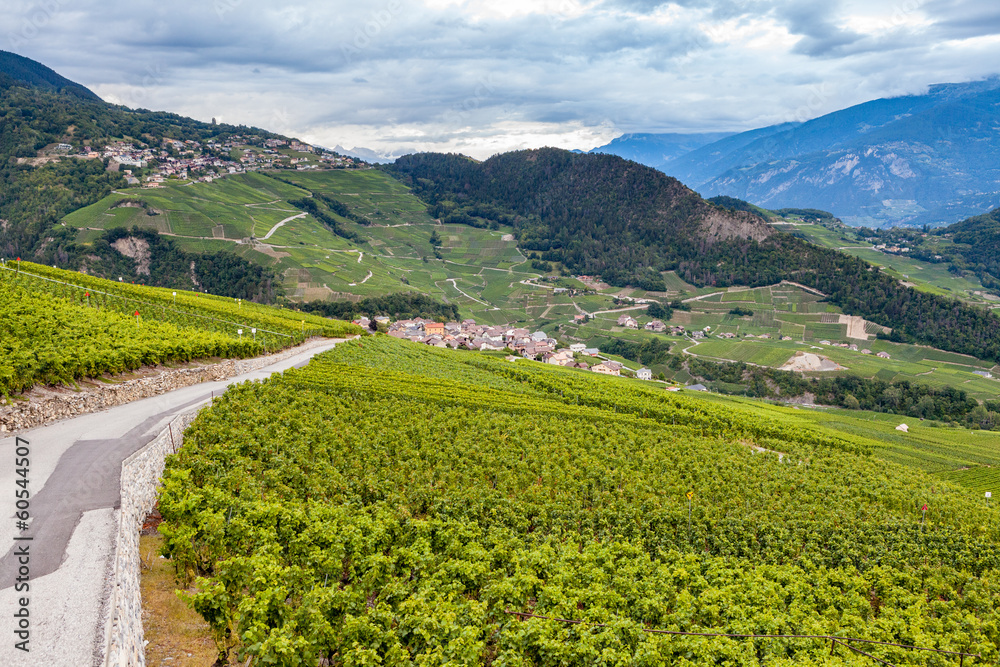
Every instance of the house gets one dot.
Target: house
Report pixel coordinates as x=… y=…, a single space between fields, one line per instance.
x=697 y=387
x=656 y=326
x=560 y=358
x=904 y=428
x=577 y=347
x=853 y=347
x=579 y=319
x=628 y=322
x=883 y=355
x=592 y=351
x=866 y=351
x=644 y=374
x=825 y=342
x=434 y=329
x=608 y=368
x=983 y=374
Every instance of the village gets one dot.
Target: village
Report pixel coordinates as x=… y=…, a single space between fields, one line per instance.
x=151 y=166
x=537 y=346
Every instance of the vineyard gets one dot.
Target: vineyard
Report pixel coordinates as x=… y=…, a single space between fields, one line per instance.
x=394 y=504
x=60 y=326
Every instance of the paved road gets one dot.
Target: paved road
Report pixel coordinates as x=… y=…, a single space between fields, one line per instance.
x=279 y=225
x=75 y=466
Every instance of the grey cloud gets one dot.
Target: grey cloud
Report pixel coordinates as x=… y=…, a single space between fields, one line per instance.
x=416 y=76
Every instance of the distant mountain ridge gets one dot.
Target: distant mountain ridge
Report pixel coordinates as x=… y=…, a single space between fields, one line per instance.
x=917 y=159
x=26 y=70
x=654 y=150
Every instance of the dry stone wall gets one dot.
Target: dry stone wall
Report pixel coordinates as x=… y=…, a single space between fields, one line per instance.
x=141 y=474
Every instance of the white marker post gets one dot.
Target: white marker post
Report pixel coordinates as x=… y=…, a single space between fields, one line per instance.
x=254 y=332
x=240 y=332
x=175 y=298
x=989 y=494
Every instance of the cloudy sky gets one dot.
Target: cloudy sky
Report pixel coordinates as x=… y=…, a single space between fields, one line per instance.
x=485 y=76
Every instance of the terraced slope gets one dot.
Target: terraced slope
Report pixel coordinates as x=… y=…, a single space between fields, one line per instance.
x=411 y=499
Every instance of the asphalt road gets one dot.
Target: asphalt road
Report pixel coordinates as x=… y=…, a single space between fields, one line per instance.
x=74 y=485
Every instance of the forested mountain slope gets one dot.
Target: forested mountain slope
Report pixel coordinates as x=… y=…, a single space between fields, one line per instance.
x=977 y=241
x=598 y=214
x=604 y=215
x=33 y=73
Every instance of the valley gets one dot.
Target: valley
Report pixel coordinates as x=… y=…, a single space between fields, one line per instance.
x=791 y=462
x=485 y=274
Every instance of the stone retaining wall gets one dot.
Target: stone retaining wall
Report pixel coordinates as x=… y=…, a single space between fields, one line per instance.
x=140 y=480
x=38 y=410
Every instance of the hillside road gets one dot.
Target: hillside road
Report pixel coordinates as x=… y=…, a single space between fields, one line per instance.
x=74 y=486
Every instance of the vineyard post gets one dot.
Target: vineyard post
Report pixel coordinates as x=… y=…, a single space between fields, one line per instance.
x=690 y=494
x=175 y=298
x=923 y=515
x=18 y=272
x=254 y=332
x=137 y=318
x=989 y=494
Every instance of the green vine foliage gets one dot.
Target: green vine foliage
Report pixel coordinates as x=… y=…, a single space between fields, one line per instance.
x=389 y=503
x=59 y=326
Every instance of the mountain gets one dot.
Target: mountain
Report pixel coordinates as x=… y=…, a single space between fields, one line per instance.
x=369 y=155
x=603 y=215
x=913 y=160
x=33 y=73
x=598 y=214
x=655 y=150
